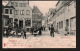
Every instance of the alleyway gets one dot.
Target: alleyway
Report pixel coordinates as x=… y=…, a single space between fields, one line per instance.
x=43 y=41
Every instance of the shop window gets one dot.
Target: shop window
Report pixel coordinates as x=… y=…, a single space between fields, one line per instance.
x=27 y=22
x=22 y=12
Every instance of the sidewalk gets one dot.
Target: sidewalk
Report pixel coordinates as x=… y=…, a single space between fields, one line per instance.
x=48 y=33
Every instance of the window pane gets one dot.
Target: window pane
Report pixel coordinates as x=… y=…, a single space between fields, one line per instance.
x=16 y=12
x=28 y=22
x=6 y=11
x=10 y=11
x=12 y=3
x=16 y=4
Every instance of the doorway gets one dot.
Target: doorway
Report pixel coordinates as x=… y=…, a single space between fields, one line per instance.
x=67 y=24
x=21 y=23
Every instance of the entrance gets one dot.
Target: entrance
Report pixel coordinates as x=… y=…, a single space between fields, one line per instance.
x=21 y=23
x=67 y=24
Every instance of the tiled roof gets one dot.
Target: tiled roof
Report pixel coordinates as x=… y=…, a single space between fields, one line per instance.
x=36 y=10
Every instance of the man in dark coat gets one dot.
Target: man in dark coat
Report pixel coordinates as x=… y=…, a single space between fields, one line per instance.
x=24 y=33
x=52 y=31
x=8 y=32
x=49 y=28
x=32 y=29
x=40 y=30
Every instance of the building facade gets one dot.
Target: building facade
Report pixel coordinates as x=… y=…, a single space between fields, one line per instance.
x=22 y=13
x=8 y=15
x=51 y=12
x=36 y=17
x=65 y=17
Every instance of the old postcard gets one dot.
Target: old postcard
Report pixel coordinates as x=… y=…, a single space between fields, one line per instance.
x=39 y=24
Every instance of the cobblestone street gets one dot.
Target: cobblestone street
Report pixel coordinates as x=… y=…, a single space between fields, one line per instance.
x=43 y=41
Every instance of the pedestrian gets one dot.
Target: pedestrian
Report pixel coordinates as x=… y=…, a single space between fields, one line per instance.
x=49 y=28
x=7 y=32
x=24 y=33
x=32 y=29
x=52 y=31
x=40 y=31
x=44 y=28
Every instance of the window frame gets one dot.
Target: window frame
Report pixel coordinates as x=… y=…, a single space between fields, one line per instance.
x=27 y=12
x=16 y=4
x=21 y=12
x=7 y=10
x=12 y=3
x=11 y=11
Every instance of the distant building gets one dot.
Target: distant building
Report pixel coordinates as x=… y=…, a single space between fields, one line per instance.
x=8 y=15
x=51 y=12
x=22 y=14
x=65 y=17
x=36 y=16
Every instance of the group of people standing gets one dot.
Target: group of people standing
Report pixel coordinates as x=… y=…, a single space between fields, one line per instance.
x=23 y=30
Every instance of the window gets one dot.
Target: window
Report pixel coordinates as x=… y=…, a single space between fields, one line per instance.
x=10 y=11
x=28 y=22
x=22 y=12
x=16 y=12
x=27 y=12
x=12 y=3
x=59 y=25
x=16 y=4
x=73 y=23
x=20 y=4
x=6 y=11
x=23 y=4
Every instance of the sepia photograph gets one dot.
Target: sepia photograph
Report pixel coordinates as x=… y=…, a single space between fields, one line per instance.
x=39 y=24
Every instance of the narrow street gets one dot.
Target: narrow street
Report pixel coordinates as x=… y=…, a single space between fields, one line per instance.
x=43 y=41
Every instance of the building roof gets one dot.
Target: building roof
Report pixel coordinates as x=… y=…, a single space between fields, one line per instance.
x=58 y=2
x=9 y=7
x=36 y=10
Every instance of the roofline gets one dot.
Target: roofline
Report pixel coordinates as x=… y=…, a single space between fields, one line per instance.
x=58 y=2
x=9 y=2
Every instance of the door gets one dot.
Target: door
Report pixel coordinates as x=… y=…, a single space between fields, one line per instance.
x=67 y=24
x=21 y=23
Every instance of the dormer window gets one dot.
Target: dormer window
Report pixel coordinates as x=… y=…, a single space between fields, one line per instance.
x=12 y=3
